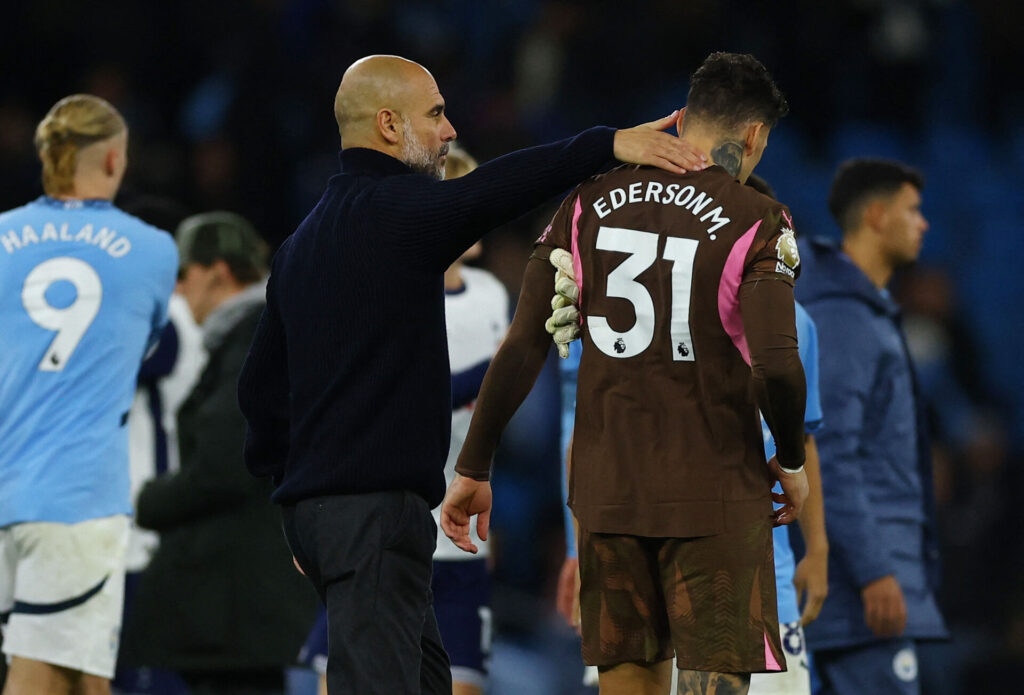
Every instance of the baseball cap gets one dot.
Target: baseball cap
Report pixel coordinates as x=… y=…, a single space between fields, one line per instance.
x=221 y=235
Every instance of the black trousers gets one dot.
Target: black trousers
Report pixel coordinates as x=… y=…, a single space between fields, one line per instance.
x=269 y=682
x=369 y=557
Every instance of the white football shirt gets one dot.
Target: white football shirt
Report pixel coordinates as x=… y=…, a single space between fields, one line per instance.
x=477 y=319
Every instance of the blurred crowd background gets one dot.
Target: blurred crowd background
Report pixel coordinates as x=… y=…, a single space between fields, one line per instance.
x=230 y=106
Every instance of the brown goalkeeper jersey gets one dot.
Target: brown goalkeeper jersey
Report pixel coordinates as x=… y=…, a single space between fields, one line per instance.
x=688 y=327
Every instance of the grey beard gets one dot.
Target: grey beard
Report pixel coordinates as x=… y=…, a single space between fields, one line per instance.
x=419 y=158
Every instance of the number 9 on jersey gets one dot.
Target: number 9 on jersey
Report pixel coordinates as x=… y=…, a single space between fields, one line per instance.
x=70 y=322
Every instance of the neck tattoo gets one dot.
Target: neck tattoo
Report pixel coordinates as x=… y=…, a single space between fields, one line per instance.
x=729 y=156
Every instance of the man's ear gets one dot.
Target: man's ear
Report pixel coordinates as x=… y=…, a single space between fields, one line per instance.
x=875 y=213
x=223 y=274
x=110 y=161
x=752 y=137
x=389 y=125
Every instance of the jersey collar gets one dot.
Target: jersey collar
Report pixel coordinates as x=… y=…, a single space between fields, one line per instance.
x=74 y=203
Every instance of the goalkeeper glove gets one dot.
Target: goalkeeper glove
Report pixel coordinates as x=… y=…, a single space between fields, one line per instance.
x=564 y=324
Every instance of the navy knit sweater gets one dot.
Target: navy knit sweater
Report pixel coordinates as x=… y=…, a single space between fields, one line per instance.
x=347 y=387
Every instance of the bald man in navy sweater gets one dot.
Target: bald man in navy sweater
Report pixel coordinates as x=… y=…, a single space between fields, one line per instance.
x=347 y=387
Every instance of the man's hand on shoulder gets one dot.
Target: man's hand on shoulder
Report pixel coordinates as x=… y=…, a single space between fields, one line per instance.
x=647 y=144
x=794 y=493
x=466 y=498
x=885 y=610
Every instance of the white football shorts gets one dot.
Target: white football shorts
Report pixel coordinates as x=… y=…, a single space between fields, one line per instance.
x=62 y=592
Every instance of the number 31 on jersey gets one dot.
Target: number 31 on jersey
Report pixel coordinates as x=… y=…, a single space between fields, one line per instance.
x=642 y=248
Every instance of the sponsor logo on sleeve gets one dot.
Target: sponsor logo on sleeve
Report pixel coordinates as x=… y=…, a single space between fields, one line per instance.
x=786 y=249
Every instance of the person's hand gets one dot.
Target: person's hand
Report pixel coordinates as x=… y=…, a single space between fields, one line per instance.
x=564 y=324
x=794 y=493
x=811 y=582
x=466 y=498
x=885 y=610
x=567 y=597
x=647 y=144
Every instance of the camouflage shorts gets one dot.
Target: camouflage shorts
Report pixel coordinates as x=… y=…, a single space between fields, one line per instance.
x=708 y=600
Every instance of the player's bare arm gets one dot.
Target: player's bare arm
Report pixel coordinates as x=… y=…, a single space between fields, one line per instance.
x=567 y=599
x=811 y=575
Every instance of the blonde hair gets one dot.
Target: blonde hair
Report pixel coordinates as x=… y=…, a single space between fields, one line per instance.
x=459 y=163
x=73 y=123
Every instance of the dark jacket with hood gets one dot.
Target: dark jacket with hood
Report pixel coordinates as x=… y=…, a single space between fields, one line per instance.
x=221 y=593
x=875 y=460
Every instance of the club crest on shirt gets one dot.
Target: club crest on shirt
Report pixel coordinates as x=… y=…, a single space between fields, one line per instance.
x=904 y=665
x=786 y=249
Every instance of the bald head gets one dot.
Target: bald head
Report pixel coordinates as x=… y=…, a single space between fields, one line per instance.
x=374 y=83
x=393 y=105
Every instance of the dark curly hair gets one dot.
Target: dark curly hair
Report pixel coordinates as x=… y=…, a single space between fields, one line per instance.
x=733 y=89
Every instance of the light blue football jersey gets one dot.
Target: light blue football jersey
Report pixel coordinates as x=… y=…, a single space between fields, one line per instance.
x=83 y=293
x=568 y=372
x=785 y=563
